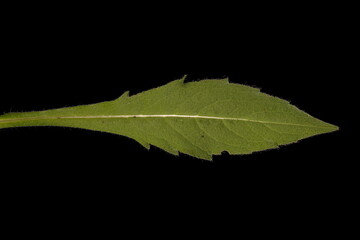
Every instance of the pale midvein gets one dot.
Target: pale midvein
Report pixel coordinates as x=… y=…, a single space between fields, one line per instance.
x=151 y=116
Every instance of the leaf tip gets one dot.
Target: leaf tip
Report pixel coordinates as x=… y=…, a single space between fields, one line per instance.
x=334 y=128
x=328 y=127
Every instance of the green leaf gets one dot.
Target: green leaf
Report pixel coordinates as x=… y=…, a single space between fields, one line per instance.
x=200 y=119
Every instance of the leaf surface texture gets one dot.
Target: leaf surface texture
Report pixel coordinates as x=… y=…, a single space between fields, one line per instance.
x=201 y=119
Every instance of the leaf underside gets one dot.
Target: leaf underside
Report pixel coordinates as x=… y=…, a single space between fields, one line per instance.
x=201 y=119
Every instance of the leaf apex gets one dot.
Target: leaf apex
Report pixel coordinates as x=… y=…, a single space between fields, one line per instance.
x=334 y=128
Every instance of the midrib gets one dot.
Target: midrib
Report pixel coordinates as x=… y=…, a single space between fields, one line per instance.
x=152 y=116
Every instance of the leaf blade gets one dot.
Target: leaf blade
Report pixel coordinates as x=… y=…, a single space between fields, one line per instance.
x=201 y=119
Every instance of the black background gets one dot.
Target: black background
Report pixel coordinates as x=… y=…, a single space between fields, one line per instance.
x=80 y=55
